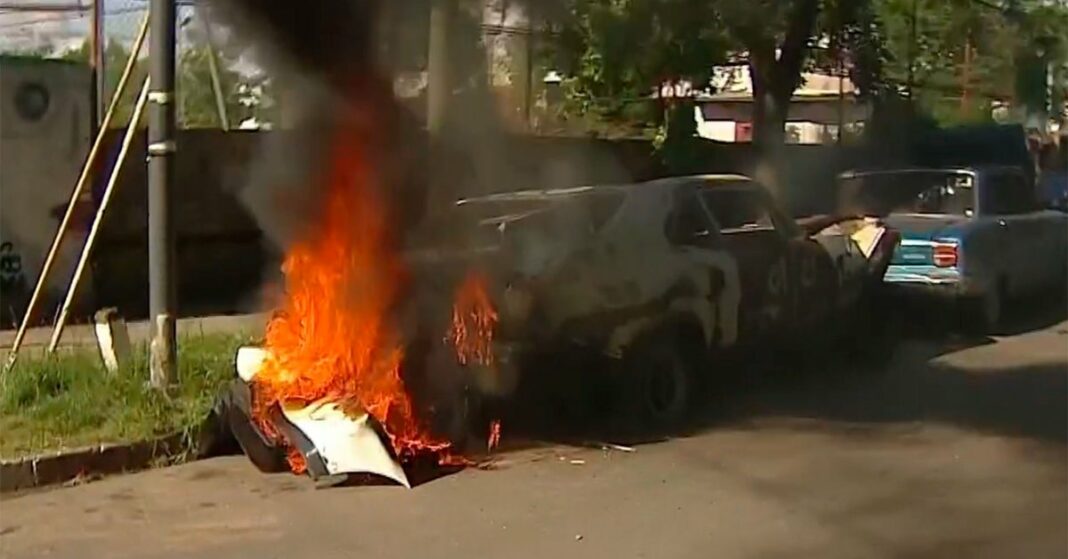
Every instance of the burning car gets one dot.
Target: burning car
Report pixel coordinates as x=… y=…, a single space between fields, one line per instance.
x=668 y=280
x=659 y=282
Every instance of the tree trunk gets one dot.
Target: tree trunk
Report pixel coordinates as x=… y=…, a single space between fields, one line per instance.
x=770 y=109
x=769 y=119
x=775 y=76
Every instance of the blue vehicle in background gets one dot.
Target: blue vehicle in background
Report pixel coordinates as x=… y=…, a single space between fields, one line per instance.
x=975 y=235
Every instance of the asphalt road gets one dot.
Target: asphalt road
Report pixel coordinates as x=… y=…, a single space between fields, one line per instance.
x=958 y=449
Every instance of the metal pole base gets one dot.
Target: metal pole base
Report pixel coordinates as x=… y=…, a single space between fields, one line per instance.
x=163 y=354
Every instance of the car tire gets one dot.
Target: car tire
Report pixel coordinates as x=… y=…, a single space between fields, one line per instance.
x=658 y=386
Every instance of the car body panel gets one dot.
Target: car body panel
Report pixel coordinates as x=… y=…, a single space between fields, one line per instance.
x=604 y=283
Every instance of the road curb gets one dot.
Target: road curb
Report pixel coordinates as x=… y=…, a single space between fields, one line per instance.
x=66 y=465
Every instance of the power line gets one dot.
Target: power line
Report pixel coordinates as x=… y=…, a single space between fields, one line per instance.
x=68 y=16
x=31 y=22
x=42 y=7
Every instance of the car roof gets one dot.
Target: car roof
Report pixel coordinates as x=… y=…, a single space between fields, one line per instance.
x=711 y=180
x=975 y=169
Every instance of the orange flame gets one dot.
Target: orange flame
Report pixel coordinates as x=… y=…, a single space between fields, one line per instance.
x=473 y=321
x=333 y=335
x=494 y=438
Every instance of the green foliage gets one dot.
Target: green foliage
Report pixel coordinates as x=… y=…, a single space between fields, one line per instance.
x=244 y=97
x=70 y=400
x=115 y=57
x=616 y=52
x=991 y=50
x=197 y=107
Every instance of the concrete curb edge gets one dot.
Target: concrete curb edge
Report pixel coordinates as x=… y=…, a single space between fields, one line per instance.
x=66 y=465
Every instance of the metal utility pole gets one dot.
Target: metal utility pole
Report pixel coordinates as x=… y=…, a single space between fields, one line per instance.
x=439 y=86
x=161 y=150
x=96 y=62
x=528 y=69
x=966 y=79
x=912 y=48
x=216 y=78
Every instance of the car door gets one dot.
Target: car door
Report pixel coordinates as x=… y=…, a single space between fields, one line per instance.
x=691 y=229
x=749 y=234
x=814 y=276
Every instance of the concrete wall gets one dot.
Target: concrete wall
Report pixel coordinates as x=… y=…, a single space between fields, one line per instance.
x=224 y=260
x=222 y=257
x=44 y=138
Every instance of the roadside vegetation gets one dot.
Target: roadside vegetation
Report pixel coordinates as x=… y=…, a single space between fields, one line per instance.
x=70 y=400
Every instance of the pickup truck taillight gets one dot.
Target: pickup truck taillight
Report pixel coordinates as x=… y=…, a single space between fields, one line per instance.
x=944 y=254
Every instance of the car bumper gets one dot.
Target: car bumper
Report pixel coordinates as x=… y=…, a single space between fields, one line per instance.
x=929 y=280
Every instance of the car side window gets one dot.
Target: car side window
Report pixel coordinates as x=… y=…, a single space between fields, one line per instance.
x=1007 y=194
x=688 y=223
x=738 y=209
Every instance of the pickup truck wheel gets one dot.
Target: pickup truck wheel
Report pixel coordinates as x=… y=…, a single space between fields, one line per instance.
x=658 y=386
x=874 y=334
x=983 y=314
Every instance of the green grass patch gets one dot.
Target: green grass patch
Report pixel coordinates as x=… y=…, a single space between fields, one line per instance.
x=69 y=400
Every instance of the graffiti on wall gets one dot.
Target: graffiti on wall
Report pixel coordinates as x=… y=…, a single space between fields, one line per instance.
x=12 y=278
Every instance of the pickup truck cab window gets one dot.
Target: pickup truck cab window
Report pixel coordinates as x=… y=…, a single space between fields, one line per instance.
x=935 y=192
x=1006 y=193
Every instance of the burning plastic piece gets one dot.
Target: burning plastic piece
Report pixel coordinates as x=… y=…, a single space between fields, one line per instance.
x=329 y=438
x=334 y=334
x=347 y=443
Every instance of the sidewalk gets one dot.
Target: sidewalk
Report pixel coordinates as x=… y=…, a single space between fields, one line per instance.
x=81 y=335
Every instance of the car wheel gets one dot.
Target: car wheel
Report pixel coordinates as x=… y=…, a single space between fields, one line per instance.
x=658 y=386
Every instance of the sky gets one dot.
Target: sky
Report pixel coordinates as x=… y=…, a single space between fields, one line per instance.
x=57 y=32
x=64 y=30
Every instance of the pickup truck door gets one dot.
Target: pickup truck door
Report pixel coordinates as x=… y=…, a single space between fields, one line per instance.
x=1051 y=229
x=1023 y=248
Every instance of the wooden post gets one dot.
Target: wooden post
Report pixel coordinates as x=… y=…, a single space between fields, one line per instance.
x=83 y=259
x=96 y=61
x=113 y=339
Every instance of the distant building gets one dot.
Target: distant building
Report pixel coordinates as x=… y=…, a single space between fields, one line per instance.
x=819 y=107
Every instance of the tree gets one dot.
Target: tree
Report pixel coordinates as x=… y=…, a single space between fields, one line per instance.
x=617 y=51
x=197 y=106
x=958 y=57
x=115 y=56
x=244 y=96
